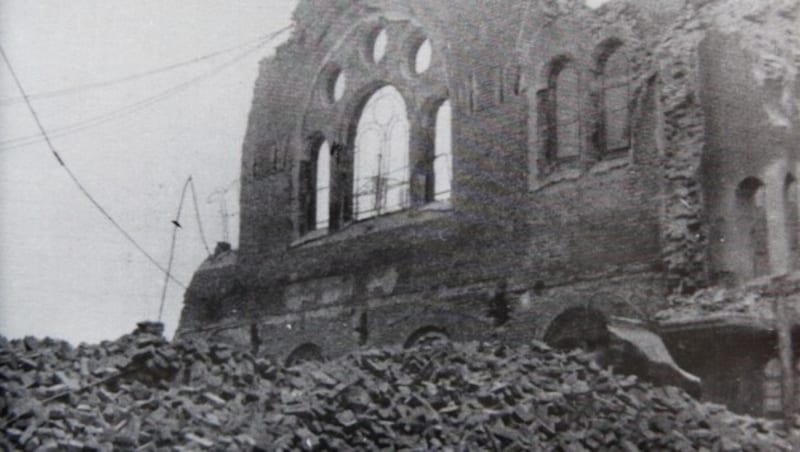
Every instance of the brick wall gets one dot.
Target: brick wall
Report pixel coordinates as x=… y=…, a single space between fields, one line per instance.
x=615 y=232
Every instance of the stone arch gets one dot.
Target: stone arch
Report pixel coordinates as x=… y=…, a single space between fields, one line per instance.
x=578 y=327
x=304 y=352
x=425 y=335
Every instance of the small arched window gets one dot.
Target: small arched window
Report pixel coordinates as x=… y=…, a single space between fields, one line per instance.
x=315 y=184
x=443 y=162
x=381 y=170
x=751 y=223
x=562 y=128
x=322 y=188
x=614 y=97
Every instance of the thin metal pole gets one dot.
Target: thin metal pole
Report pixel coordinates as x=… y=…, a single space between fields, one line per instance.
x=175 y=226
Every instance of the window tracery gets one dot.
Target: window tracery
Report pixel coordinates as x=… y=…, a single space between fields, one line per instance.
x=381 y=171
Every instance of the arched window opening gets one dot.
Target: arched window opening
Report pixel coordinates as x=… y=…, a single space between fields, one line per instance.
x=443 y=162
x=614 y=69
x=562 y=129
x=791 y=208
x=322 y=187
x=752 y=227
x=339 y=86
x=381 y=171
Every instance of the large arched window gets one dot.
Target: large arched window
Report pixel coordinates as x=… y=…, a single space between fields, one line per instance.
x=614 y=97
x=443 y=162
x=562 y=128
x=751 y=223
x=381 y=170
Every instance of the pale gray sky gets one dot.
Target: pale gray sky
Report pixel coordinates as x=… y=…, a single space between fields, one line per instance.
x=64 y=270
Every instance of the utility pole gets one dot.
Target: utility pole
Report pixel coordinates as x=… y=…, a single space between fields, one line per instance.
x=219 y=196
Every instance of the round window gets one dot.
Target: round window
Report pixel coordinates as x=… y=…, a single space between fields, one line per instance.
x=380 y=39
x=336 y=86
x=422 y=56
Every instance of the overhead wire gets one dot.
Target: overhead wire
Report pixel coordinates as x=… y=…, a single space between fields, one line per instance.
x=75 y=179
x=197 y=217
x=137 y=106
x=129 y=78
x=188 y=185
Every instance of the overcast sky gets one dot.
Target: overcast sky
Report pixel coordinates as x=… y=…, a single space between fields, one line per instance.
x=64 y=270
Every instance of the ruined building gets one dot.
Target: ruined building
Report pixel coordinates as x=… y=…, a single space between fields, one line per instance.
x=509 y=169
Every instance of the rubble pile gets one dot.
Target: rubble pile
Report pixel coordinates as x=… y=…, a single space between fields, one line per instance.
x=752 y=299
x=144 y=393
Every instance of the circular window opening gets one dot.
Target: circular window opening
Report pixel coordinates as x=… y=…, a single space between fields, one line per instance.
x=422 y=56
x=378 y=43
x=337 y=84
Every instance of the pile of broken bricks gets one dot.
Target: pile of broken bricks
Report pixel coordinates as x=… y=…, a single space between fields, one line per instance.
x=142 y=392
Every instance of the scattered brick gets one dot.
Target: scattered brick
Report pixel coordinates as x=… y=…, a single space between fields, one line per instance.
x=142 y=392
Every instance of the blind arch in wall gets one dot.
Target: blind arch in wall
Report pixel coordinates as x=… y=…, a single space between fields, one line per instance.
x=751 y=223
x=615 y=99
x=567 y=112
x=561 y=108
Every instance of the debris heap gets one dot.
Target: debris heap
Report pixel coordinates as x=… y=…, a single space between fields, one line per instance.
x=142 y=392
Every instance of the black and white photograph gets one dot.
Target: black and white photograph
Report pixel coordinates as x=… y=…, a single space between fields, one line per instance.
x=400 y=225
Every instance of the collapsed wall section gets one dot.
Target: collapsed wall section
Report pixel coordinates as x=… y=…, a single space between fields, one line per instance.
x=728 y=76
